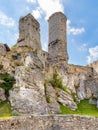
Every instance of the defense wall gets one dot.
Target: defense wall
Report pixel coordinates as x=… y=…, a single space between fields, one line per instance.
x=50 y=122
x=94 y=65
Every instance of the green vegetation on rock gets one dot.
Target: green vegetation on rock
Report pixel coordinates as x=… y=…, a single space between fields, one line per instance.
x=7 y=84
x=1 y=67
x=48 y=99
x=5 y=109
x=74 y=96
x=56 y=82
x=84 y=108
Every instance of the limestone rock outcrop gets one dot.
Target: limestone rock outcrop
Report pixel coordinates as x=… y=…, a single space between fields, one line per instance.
x=51 y=98
x=28 y=95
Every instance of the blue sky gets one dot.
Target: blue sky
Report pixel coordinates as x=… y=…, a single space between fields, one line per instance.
x=82 y=24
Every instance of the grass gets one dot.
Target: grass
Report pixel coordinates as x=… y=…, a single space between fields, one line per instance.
x=5 y=109
x=84 y=108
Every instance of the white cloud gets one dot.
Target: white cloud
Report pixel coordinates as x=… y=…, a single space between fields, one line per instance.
x=73 y=30
x=5 y=20
x=83 y=47
x=27 y=8
x=31 y=1
x=93 y=54
x=50 y=6
x=37 y=13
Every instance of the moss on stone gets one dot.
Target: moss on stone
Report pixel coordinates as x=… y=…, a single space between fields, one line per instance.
x=48 y=99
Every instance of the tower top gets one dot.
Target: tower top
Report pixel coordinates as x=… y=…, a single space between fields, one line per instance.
x=29 y=16
x=57 y=45
x=56 y=14
x=29 y=32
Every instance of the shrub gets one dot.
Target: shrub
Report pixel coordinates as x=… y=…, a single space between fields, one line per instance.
x=48 y=99
x=7 y=84
x=14 y=57
x=56 y=82
x=1 y=67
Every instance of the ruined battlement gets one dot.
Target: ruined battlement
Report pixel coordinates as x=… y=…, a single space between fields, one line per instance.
x=94 y=65
x=29 y=32
x=57 y=27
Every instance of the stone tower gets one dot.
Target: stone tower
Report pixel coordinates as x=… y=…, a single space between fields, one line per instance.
x=29 y=32
x=57 y=46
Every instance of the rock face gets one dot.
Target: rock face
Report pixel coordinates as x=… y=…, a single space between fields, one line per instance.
x=66 y=99
x=51 y=98
x=2 y=94
x=2 y=48
x=28 y=95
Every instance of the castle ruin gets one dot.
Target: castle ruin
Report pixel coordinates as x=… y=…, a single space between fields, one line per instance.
x=45 y=82
x=33 y=70
x=29 y=33
x=29 y=36
x=57 y=46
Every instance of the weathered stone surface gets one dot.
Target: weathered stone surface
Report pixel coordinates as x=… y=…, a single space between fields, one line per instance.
x=51 y=98
x=2 y=49
x=93 y=101
x=28 y=95
x=88 y=93
x=81 y=92
x=50 y=122
x=2 y=94
x=57 y=38
x=29 y=32
x=66 y=99
x=33 y=61
x=94 y=66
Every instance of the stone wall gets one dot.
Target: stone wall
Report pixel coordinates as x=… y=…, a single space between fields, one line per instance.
x=50 y=122
x=76 y=70
x=29 y=32
x=57 y=46
x=94 y=65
